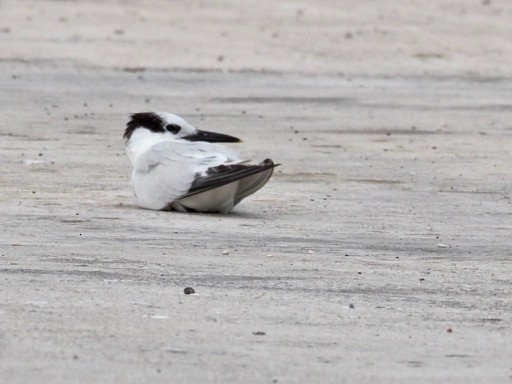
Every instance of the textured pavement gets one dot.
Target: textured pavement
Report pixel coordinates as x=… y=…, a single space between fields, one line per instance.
x=379 y=251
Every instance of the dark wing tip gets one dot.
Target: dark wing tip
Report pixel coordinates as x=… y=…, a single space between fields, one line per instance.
x=224 y=174
x=270 y=162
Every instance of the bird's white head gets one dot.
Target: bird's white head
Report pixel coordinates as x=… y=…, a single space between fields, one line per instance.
x=158 y=124
x=146 y=129
x=170 y=127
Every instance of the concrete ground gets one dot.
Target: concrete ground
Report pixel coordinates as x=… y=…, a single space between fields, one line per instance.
x=380 y=251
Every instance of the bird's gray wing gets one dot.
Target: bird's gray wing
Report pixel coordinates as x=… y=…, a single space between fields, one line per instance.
x=167 y=170
x=208 y=154
x=220 y=175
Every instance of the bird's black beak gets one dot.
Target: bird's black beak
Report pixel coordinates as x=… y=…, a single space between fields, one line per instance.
x=211 y=137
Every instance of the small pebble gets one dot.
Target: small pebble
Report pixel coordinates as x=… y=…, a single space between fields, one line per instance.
x=351 y=306
x=449 y=330
x=225 y=252
x=189 y=291
x=310 y=251
x=441 y=245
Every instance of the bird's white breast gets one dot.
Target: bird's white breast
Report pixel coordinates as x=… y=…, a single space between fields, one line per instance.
x=141 y=141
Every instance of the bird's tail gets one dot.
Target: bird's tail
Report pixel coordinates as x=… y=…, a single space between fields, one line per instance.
x=249 y=185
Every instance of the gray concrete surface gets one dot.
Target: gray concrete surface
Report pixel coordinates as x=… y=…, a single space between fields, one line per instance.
x=379 y=252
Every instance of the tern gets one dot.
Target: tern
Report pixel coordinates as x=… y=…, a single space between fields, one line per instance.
x=179 y=167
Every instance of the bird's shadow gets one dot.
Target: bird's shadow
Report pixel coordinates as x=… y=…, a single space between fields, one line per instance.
x=229 y=215
x=217 y=215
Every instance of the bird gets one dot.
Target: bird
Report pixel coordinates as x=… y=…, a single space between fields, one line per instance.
x=177 y=167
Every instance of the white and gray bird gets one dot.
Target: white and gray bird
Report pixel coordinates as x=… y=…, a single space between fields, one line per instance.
x=177 y=167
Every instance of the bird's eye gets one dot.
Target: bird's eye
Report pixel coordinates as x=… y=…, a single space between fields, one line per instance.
x=173 y=128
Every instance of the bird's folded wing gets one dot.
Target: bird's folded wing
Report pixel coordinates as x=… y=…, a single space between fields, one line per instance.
x=198 y=156
x=167 y=171
x=225 y=174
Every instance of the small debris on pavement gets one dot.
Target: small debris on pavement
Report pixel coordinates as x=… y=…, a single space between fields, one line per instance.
x=351 y=306
x=441 y=245
x=449 y=330
x=225 y=252
x=189 y=291
x=259 y=333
